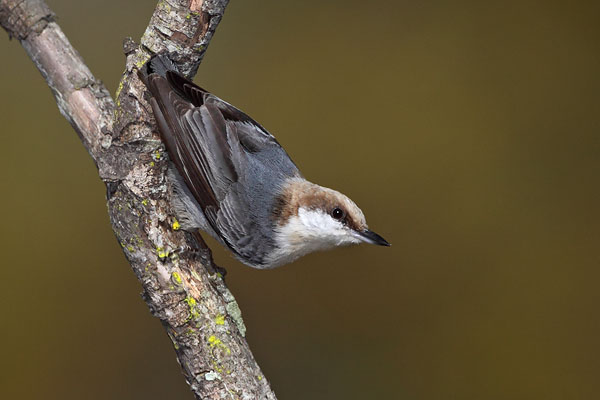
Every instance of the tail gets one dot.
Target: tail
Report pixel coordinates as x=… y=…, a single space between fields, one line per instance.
x=158 y=64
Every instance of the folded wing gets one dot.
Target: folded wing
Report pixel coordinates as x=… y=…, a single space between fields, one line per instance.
x=211 y=143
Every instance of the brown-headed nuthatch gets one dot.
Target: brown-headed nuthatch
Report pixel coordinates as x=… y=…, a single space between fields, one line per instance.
x=234 y=181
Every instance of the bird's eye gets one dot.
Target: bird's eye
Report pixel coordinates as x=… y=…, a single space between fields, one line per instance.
x=337 y=213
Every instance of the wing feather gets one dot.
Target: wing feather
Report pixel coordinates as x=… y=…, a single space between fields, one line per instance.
x=209 y=142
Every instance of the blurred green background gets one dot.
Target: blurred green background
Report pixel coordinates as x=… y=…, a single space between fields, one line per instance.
x=468 y=132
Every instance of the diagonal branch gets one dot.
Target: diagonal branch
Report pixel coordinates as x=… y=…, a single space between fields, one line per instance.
x=175 y=269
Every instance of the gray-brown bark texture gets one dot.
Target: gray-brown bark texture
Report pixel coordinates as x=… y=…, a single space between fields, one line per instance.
x=179 y=284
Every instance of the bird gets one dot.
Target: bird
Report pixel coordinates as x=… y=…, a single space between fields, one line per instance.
x=233 y=180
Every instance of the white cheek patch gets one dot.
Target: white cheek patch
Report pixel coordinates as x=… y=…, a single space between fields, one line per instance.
x=309 y=231
x=321 y=227
x=319 y=223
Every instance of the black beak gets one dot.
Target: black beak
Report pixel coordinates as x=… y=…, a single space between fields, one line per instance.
x=373 y=238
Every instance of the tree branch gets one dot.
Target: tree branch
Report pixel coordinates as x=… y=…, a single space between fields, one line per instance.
x=175 y=268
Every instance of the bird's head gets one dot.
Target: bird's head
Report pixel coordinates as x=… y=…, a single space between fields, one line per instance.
x=310 y=217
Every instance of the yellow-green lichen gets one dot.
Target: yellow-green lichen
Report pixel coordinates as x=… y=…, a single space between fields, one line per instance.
x=220 y=320
x=140 y=63
x=216 y=366
x=215 y=342
x=152 y=164
x=145 y=202
x=190 y=331
x=119 y=88
x=162 y=253
x=164 y=5
x=191 y=302
x=175 y=225
x=176 y=277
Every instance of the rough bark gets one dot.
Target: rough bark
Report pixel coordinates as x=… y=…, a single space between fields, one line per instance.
x=175 y=268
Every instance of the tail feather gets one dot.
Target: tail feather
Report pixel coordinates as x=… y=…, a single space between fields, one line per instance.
x=158 y=64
